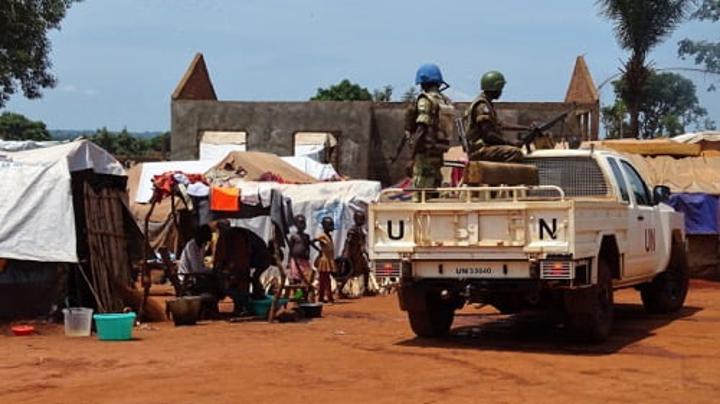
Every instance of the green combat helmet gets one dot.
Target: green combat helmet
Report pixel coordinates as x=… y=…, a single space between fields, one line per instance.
x=492 y=81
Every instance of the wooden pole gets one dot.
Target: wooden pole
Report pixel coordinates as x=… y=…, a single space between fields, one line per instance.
x=278 y=261
x=144 y=269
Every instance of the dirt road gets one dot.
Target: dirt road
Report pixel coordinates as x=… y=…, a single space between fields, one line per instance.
x=364 y=352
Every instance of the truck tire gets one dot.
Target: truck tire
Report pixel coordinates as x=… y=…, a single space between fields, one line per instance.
x=434 y=321
x=508 y=305
x=667 y=292
x=594 y=321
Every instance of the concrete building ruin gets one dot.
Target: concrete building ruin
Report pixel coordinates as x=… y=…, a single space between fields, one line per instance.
x=361 y=136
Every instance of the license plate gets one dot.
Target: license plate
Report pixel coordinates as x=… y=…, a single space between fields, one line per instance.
x=470 y=270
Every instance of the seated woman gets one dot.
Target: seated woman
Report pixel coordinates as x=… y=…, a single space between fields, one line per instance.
x=193 y=255
x=238 y=251
x=196 y=279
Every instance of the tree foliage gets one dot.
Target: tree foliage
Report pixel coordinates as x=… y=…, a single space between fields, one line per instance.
x=670 y=106
x=640 y=25
x=410 y=94
x=705 y=53
x=125 y=144
x=614 y=119
x=18 y=127
x=343 y=91
x=383 y=95
x=25 y=47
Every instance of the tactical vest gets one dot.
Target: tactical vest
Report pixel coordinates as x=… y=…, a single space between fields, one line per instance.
x=443 y=116
x=471 y=114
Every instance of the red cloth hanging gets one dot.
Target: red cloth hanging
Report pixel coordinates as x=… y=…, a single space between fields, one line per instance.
x=225 y=199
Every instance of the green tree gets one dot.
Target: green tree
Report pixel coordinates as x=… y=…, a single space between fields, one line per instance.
x=343 y=91
x=614 y=118
x=640 y=26
x=383 y=94
x=160 y=143
x=25 y=47
x=410 y=94
x=124 y=143
x=704 y=53
x=17 y=127
x=670 y=106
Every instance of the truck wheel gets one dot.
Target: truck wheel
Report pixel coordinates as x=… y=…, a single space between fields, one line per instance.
x=508 y=305
x=435 y=321
x=592 y=323
x=667 y=292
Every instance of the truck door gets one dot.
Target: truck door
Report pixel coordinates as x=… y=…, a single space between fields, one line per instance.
x=642 y=240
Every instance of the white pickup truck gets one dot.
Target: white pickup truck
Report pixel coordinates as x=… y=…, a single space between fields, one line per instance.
x=591 y=226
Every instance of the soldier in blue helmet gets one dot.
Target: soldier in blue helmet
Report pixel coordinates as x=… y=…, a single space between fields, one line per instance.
x=428 y=127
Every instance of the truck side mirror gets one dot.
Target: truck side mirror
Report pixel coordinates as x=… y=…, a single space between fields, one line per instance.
x=661 y=193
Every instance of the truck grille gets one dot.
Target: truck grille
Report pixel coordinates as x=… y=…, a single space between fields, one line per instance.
x=577 y=176
x=556 y=270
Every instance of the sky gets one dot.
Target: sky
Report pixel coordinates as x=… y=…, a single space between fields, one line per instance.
x=117 y=62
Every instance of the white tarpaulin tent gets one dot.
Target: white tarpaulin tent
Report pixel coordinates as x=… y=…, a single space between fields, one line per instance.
x=309 y=166
x=314 y=144
x=707 y=136
x=36 y=202
x=339 y=200
x=20 y=145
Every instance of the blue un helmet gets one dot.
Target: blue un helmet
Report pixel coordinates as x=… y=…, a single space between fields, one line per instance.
x=429 y=73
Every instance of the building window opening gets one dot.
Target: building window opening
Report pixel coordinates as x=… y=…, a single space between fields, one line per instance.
x=215 y=145
x=319 y=146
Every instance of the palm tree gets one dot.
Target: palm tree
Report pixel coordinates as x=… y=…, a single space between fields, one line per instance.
x=641 y=25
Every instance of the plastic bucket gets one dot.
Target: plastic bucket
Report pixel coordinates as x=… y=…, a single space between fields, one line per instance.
x=311 y=310
x=114 y=326
x=185 y=310
x=261 y=307
x=77 y=321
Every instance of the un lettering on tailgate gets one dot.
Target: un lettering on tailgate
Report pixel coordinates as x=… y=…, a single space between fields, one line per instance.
x=394 y=228
x=548 y=226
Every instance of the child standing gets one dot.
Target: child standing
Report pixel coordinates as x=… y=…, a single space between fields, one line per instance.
x=300 y=244
x=325 y=262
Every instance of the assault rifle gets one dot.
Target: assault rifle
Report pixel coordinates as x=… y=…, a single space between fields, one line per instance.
x=460 y=126
x=406 y=136
x=536 y=131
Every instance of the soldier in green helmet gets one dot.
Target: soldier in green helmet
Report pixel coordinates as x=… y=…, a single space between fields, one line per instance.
x=429 y=125
x=484 y=129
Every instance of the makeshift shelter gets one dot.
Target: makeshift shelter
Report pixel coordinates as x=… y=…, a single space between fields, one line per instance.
x=319 y=171
x=257 y=175
x=318 y=146
x=648 y=147
x=233 y=168
x=709 y=141
x=254 y=166
x=20 y=145
x=64 y=214
x=254 y=191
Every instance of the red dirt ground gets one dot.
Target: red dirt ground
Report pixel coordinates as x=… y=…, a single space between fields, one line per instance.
x=363 y=351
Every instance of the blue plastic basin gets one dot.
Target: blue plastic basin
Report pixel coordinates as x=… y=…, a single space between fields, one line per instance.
x=261 y=307
x=114 y=326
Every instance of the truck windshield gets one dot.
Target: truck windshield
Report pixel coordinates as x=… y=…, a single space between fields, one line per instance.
x=577 y=176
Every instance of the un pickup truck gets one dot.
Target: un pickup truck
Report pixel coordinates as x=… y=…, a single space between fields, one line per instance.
x=590 y=227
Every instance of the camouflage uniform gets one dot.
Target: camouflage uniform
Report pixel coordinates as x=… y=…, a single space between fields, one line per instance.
x=485 y=134
x=434 y=126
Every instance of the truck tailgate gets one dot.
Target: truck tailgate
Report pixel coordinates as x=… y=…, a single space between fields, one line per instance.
x=492 y=226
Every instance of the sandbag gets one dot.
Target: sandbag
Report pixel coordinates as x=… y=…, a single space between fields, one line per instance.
x=490 y=173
